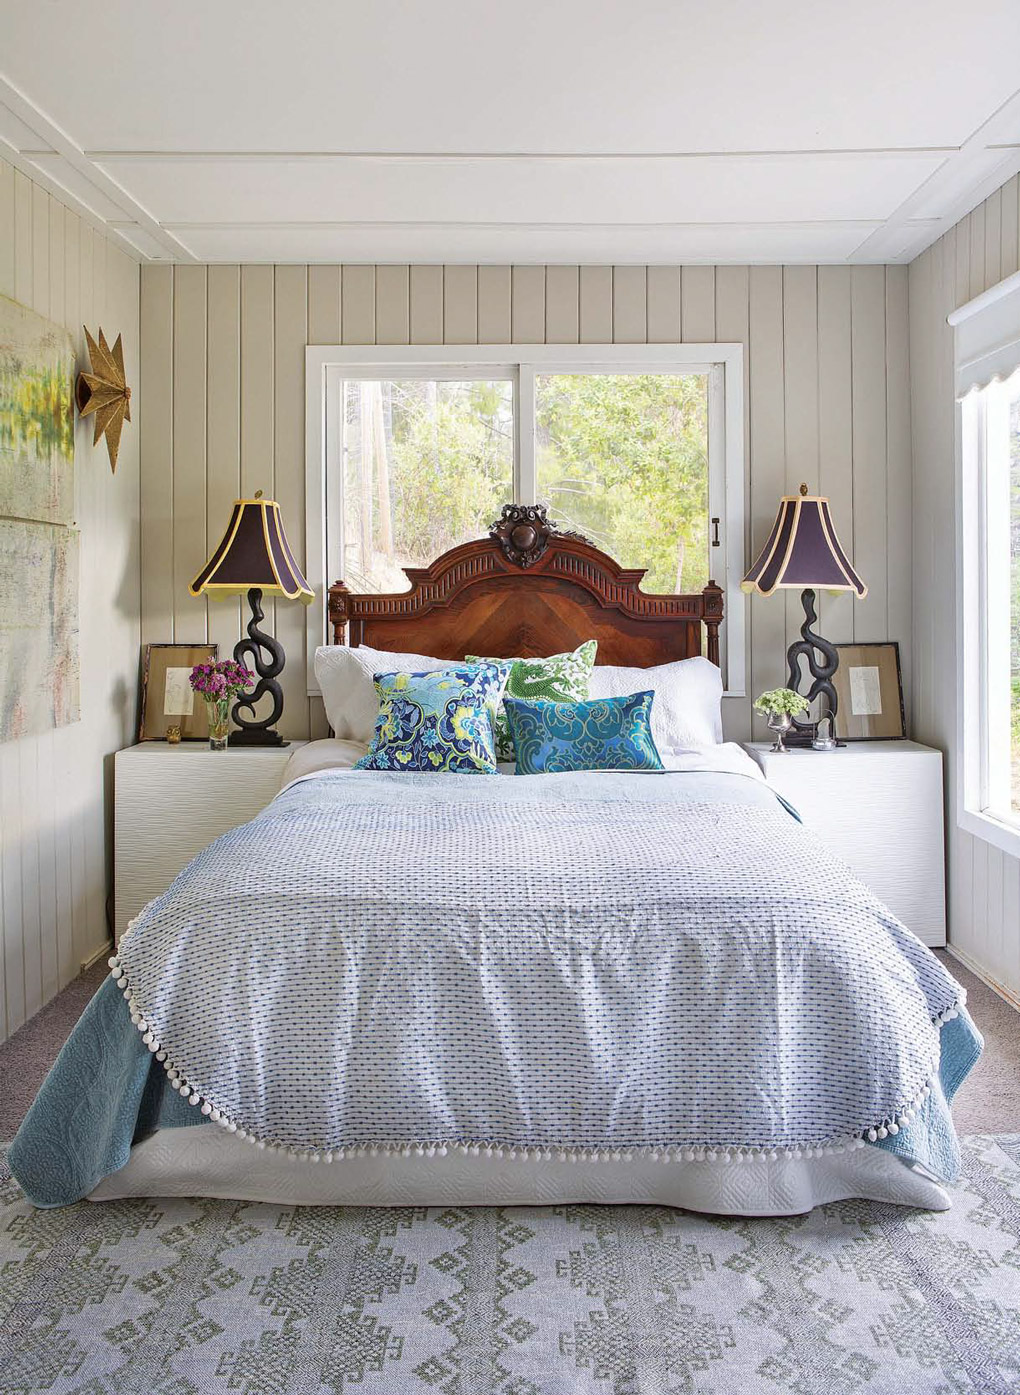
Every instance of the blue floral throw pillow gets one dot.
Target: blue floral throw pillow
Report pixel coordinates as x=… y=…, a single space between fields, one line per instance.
x=439 y=721
x=600 y=734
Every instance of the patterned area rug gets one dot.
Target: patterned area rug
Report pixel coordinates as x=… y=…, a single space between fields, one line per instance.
x=174 y=1297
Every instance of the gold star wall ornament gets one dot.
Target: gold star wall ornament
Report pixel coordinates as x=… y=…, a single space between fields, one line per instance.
x=104 y=392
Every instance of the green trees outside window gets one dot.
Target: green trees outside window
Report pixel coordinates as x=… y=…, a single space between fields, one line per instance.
x=621 y=458
x=427 y=464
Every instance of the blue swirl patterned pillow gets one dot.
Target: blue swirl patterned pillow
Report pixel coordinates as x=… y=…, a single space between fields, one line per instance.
x=600 y=734
x=440 y=721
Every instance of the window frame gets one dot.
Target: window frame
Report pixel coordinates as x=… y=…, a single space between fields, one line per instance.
x=979 y=607
x=328 y=365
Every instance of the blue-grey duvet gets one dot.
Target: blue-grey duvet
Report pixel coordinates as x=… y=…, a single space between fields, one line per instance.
x=553 y=965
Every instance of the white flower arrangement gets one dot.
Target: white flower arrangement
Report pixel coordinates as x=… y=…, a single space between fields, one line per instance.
x=779 y=701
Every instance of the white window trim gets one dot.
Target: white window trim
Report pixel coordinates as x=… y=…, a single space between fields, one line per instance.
x=973 y=710
x=724 y=364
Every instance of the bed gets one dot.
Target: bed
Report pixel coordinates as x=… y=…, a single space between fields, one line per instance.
x=602 y=986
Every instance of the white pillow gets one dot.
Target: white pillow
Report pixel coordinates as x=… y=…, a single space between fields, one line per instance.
x=687 y=711
x=326 y=754
x=345 y=677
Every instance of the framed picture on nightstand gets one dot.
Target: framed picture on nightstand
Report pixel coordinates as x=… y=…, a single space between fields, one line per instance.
x=167 y=697
x=870 y=692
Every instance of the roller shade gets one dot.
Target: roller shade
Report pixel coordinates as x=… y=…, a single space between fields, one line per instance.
x=987 y=336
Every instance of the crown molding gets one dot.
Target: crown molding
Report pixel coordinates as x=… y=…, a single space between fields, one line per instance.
x=95 y=220
x=965 y=176
x=904 y=152
x=59 y=142
x=987 y=146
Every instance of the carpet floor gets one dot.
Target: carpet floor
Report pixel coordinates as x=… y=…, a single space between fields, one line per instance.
x=183 y=1297
x=190 y=1297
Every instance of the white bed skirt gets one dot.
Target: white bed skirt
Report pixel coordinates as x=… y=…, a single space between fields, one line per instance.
x=207 y=1161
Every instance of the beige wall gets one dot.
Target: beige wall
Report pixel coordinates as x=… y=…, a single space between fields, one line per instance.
x=984 y=883
x=54 y=788
x=223 y=386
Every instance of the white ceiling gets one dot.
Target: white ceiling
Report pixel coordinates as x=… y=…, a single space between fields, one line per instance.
x=465 y=131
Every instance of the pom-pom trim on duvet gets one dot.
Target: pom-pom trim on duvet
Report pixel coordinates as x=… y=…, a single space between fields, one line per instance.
x=666 y=1153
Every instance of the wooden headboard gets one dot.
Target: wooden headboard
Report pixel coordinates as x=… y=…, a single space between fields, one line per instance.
x=529 y=590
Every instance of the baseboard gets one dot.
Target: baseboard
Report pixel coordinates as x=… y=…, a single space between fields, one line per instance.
x=101 y=953
x=979 y=972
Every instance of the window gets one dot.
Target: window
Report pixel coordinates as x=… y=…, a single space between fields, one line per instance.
x=623 y=459
x=427 y=463
x=414 y=450
x=988 y=385
x=1002 y=469
x=1012 y=512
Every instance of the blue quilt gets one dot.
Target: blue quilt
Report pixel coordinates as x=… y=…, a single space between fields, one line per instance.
x=661 y=962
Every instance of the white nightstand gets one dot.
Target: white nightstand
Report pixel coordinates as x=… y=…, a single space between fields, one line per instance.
x=170 y=802
x=878 y=805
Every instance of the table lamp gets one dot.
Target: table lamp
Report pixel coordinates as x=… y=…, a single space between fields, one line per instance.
x=803 y=552
x=254 y=556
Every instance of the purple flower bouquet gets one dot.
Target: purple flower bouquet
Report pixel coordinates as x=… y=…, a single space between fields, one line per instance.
x=217 y=684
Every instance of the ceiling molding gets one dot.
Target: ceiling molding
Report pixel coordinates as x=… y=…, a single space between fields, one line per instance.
x=51 y=134
x=459 y=157
x=999 y=162
x=900 y=225
x=38 y=175
x=503 y=225
x=964 y=176
x=470 y=244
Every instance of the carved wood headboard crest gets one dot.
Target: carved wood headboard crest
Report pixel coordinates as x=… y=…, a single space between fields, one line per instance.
x=529 y=589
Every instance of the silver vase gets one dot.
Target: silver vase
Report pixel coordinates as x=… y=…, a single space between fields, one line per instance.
x=779 y=723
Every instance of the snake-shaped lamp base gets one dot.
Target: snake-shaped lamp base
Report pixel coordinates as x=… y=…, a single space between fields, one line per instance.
x=811 y=645
x=250 y=652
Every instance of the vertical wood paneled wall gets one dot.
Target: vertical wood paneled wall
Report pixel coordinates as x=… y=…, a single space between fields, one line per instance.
x=55 y=790
x=827 y=402
x=984 y=247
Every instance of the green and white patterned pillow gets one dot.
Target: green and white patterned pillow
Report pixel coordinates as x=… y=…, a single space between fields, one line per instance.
x=560 y=678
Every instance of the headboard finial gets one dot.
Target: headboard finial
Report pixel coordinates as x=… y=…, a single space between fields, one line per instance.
x=523 y=532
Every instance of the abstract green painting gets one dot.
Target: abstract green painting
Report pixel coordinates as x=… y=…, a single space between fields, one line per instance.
x=36 y=416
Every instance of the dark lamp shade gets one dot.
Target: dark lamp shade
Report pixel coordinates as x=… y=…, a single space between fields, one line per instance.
x=803 y=551
x=253 y=552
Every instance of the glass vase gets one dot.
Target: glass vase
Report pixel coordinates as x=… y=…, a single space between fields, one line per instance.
x=218 y=713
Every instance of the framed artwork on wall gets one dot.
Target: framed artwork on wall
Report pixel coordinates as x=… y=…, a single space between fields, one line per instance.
x=39 y=547
x=167 y=697
x=869 y=686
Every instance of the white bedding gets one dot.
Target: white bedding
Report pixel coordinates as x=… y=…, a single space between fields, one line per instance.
x=687 y=711
x=686 y=714
x=209 y=1162
x=331 y=753
x=334 y=754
